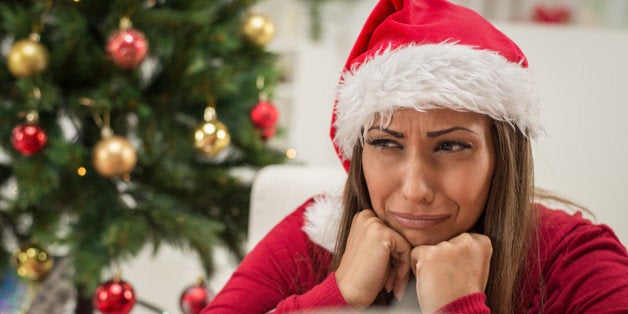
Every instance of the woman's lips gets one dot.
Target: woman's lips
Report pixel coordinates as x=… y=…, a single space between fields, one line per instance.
x=418 y=221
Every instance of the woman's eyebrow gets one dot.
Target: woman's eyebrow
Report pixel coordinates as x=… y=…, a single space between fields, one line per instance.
x=391 y=132
x=449 y=130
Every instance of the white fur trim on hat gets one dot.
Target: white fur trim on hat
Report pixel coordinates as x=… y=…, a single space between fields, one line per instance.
x=322 y=221
x=430 y=76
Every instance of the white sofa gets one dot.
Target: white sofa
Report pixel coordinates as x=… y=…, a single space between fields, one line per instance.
x=279 y=189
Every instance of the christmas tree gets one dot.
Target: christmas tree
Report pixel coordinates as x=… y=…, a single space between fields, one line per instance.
x=123 y=124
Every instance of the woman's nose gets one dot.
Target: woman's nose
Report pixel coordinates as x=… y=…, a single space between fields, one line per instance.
x=417 y=183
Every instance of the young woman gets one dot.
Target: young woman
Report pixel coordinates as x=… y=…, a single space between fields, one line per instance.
x=433 y=121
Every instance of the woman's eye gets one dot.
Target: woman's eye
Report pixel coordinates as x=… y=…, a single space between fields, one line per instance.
x=382 y=143
x=452 y=146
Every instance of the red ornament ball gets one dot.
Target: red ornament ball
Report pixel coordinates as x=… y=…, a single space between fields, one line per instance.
x=114 y=297
x=127 y=47
x=264 y=115
x=195 y=298
x=28 y=139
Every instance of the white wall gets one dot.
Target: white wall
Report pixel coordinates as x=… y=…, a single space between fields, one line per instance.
x=583 y=83
x=582 y=76
x=314 y=68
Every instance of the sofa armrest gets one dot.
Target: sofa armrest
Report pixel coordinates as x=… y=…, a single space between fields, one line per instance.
x=279 y=189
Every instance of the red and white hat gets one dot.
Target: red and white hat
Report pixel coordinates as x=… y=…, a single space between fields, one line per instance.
x=427 y=54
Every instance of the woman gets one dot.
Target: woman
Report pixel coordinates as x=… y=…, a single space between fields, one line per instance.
x=433 y=120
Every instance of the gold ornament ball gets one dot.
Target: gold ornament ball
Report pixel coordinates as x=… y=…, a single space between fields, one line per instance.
x=27 y=58
x=33 y=263
x=211 y=137
x=113 y=156
x=258 y=29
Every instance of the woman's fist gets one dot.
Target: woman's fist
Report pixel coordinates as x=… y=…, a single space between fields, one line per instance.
x=451 y=269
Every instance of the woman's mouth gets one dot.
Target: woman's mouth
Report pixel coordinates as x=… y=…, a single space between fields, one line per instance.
x=418 y=221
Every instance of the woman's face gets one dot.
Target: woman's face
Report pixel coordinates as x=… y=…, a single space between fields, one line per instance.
x=429 y=173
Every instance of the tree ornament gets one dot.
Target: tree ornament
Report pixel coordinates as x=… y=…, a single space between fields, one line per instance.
x=115 y=296
x=264 y=115
x=212 y=136
x=28 y=57
x=127 y=46
x=32 y=262
x=29 y=138
x=113 y=155
x=194 y=298
x=258 y=29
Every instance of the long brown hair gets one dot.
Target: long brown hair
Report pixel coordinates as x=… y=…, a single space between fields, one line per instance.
x=509 y=218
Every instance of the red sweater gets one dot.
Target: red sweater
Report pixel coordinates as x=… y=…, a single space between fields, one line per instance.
x=584 y=267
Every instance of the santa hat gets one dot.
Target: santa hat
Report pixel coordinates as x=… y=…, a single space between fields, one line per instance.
x=427 y=54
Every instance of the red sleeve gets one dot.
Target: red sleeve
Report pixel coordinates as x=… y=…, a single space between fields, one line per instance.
x=325 y=295
x=474 y=303
x=282 y=273
x=585 y=267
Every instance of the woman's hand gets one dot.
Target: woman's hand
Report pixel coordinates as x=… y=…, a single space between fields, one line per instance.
x=451 y=269
x=375 y=257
